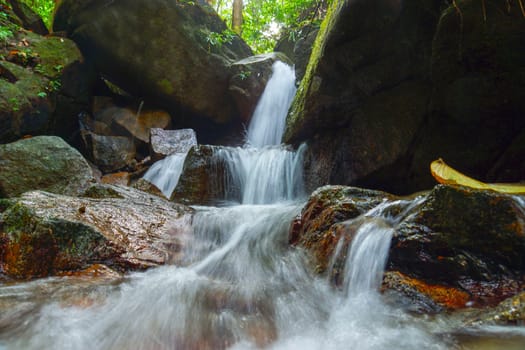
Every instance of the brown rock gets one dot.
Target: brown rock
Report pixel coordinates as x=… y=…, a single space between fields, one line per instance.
x=44 y=234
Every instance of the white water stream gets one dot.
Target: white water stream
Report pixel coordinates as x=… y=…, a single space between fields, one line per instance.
x=241 y=285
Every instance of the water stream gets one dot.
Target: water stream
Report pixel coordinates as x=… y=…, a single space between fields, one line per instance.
x=240 y=287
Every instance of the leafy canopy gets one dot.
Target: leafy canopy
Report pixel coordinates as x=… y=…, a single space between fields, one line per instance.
x=262 y=19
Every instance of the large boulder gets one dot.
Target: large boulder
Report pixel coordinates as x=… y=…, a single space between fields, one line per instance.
x=175 y=54
x=44 y=234
x=321 y=224
x=451 y=247
x=473 y=239
x=479 y=84
x=42 y=163
x=44 y=84
x=393 y=85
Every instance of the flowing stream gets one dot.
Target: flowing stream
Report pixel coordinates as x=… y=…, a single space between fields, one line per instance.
x=241 y=286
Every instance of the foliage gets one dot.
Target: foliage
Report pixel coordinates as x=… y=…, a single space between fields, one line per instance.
x=264 y=19
x=217 y=39
x=44 y=8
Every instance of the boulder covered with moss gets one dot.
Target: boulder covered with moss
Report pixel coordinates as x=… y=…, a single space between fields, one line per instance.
x=44 y=83
x=173 y=54
x=42 y=163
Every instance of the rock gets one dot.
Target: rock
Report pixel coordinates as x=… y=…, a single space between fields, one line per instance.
x=42 y=163
x=44 y=234
x=121 y=178
x=479 y=84
x=326 y=218
x=44 y=85
x=249 y=78
x=110 y=153
x=202 y=178
x=388 y=82
x=452 y=247
x=464 y=237
x=148 y=187
x=166 y=142
x=297 y=44
x=425 y=297
x=510 y=311
x=127 y=41
x=138 y=125
x=30 y=20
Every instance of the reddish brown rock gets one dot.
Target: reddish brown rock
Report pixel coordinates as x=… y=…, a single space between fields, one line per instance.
x=320 y=226
x=44 y=234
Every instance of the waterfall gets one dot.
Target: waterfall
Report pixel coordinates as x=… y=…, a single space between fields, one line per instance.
x=240 y=285
x=265 y=175
x=263 y=171
x=268 y=121
x=166 y=172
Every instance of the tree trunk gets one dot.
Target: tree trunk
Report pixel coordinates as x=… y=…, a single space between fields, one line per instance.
x=237 y=16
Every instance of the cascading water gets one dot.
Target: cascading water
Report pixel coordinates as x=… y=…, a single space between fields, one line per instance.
x=166 y=172
x=240 y=285
x=268 y=121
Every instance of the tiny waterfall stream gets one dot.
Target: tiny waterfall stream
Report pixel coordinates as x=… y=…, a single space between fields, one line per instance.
x=241 y=286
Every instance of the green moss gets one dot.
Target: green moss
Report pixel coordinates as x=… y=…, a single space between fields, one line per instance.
x=18 y=218
x=166 y=86
x=307 y=84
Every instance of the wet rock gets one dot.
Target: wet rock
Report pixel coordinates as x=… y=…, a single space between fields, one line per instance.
x=324 y=221
x=249 y=78
x=166 y=142
x=127 y=42
x=426 y=297
x=42 y=163
x=110 y=153
x=458 y=236
x=511 y=311
x=203 y=177
x=45 y=234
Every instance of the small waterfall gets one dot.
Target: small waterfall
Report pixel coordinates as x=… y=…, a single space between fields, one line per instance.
x=166 y=172
x=265 y=175
x=268 y=121
x=367 y=259
x=263 y=171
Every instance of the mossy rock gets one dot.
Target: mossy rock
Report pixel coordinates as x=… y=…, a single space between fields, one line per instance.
x=45 y=163
x=44 y=84
x=459 y=235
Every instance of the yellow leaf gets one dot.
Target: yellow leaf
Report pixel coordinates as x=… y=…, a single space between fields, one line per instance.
x=446 y=175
